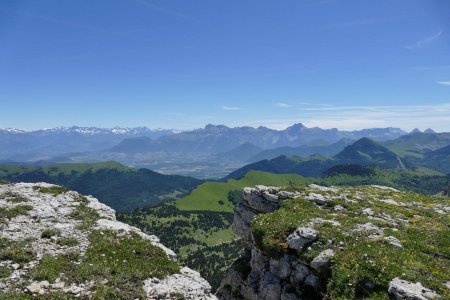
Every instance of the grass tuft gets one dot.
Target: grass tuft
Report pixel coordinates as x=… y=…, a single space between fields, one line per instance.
x=4 y=272
x=18 y=252
x=12 y=212
x=69 y=241
x=87 y=215
x=53 y=190
x=50 y=232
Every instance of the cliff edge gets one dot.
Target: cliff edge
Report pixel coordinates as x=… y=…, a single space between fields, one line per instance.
x=58 y=244
x=370 y=242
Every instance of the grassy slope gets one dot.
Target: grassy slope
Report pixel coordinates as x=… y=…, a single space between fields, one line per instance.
x=207 y=195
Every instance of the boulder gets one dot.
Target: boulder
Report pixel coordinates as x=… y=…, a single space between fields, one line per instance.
x=316 y=198
x=301 y=237
x=188 y=283
x=270 y=287
x=405 y=290
x=393 y=241
x=299 y=273
x=280 y=267
x=322 y=260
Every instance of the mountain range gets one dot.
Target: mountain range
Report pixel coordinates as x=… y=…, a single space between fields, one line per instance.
x=214 y=139
x=20 y=145
x=417 y=143
x=363 y=152
x=215 y=150
x=211 y=139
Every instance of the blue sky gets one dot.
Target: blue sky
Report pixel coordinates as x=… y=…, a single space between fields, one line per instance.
x=182 y=64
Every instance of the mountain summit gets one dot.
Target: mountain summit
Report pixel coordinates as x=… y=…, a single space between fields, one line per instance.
x=366 y=151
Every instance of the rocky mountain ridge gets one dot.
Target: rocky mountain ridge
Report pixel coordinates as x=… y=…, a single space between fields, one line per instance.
x=58 y=244
x=339 y=243
x=45 y=144
x=214 y=139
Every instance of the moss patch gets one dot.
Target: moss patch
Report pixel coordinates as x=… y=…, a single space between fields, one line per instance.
x=46 y=296
x=18 y=252
x=5 y=272
x=69 y=241
x=50 y=267
x=48 y=233
x=13 y=197
x=12 y=212
x=53 y=190
x=87 y=215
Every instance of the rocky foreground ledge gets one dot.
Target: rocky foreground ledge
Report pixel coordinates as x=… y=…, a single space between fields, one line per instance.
x=340 y=243
x=58 y=244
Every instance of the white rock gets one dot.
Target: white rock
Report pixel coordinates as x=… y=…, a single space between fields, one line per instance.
x=371 y=230
x=322 y=259
x=283 y=195
x=390 y=201
x=386 y=188
x=316 y=198
x=368 y=211
x=339 y=208
x=405 y=290
x=34 y=288
x=301 y=237
x=188 y=283
x=332 y=189
x=393 y=241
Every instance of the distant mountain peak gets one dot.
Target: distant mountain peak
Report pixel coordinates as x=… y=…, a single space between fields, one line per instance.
x=12 y=130
x=416 y=130
x=364 y=141
x=215 y=127
x=429 y=130
x=296 y=126
x=367 y=151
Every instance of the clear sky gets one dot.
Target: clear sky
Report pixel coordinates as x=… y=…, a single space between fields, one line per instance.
x=182 y=64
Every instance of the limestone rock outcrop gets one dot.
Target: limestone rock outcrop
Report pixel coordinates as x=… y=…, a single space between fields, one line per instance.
x=42 y=221
x=290 y=275
x=256 y=276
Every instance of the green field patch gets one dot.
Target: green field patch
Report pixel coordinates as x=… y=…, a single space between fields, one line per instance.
x=208 y=195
